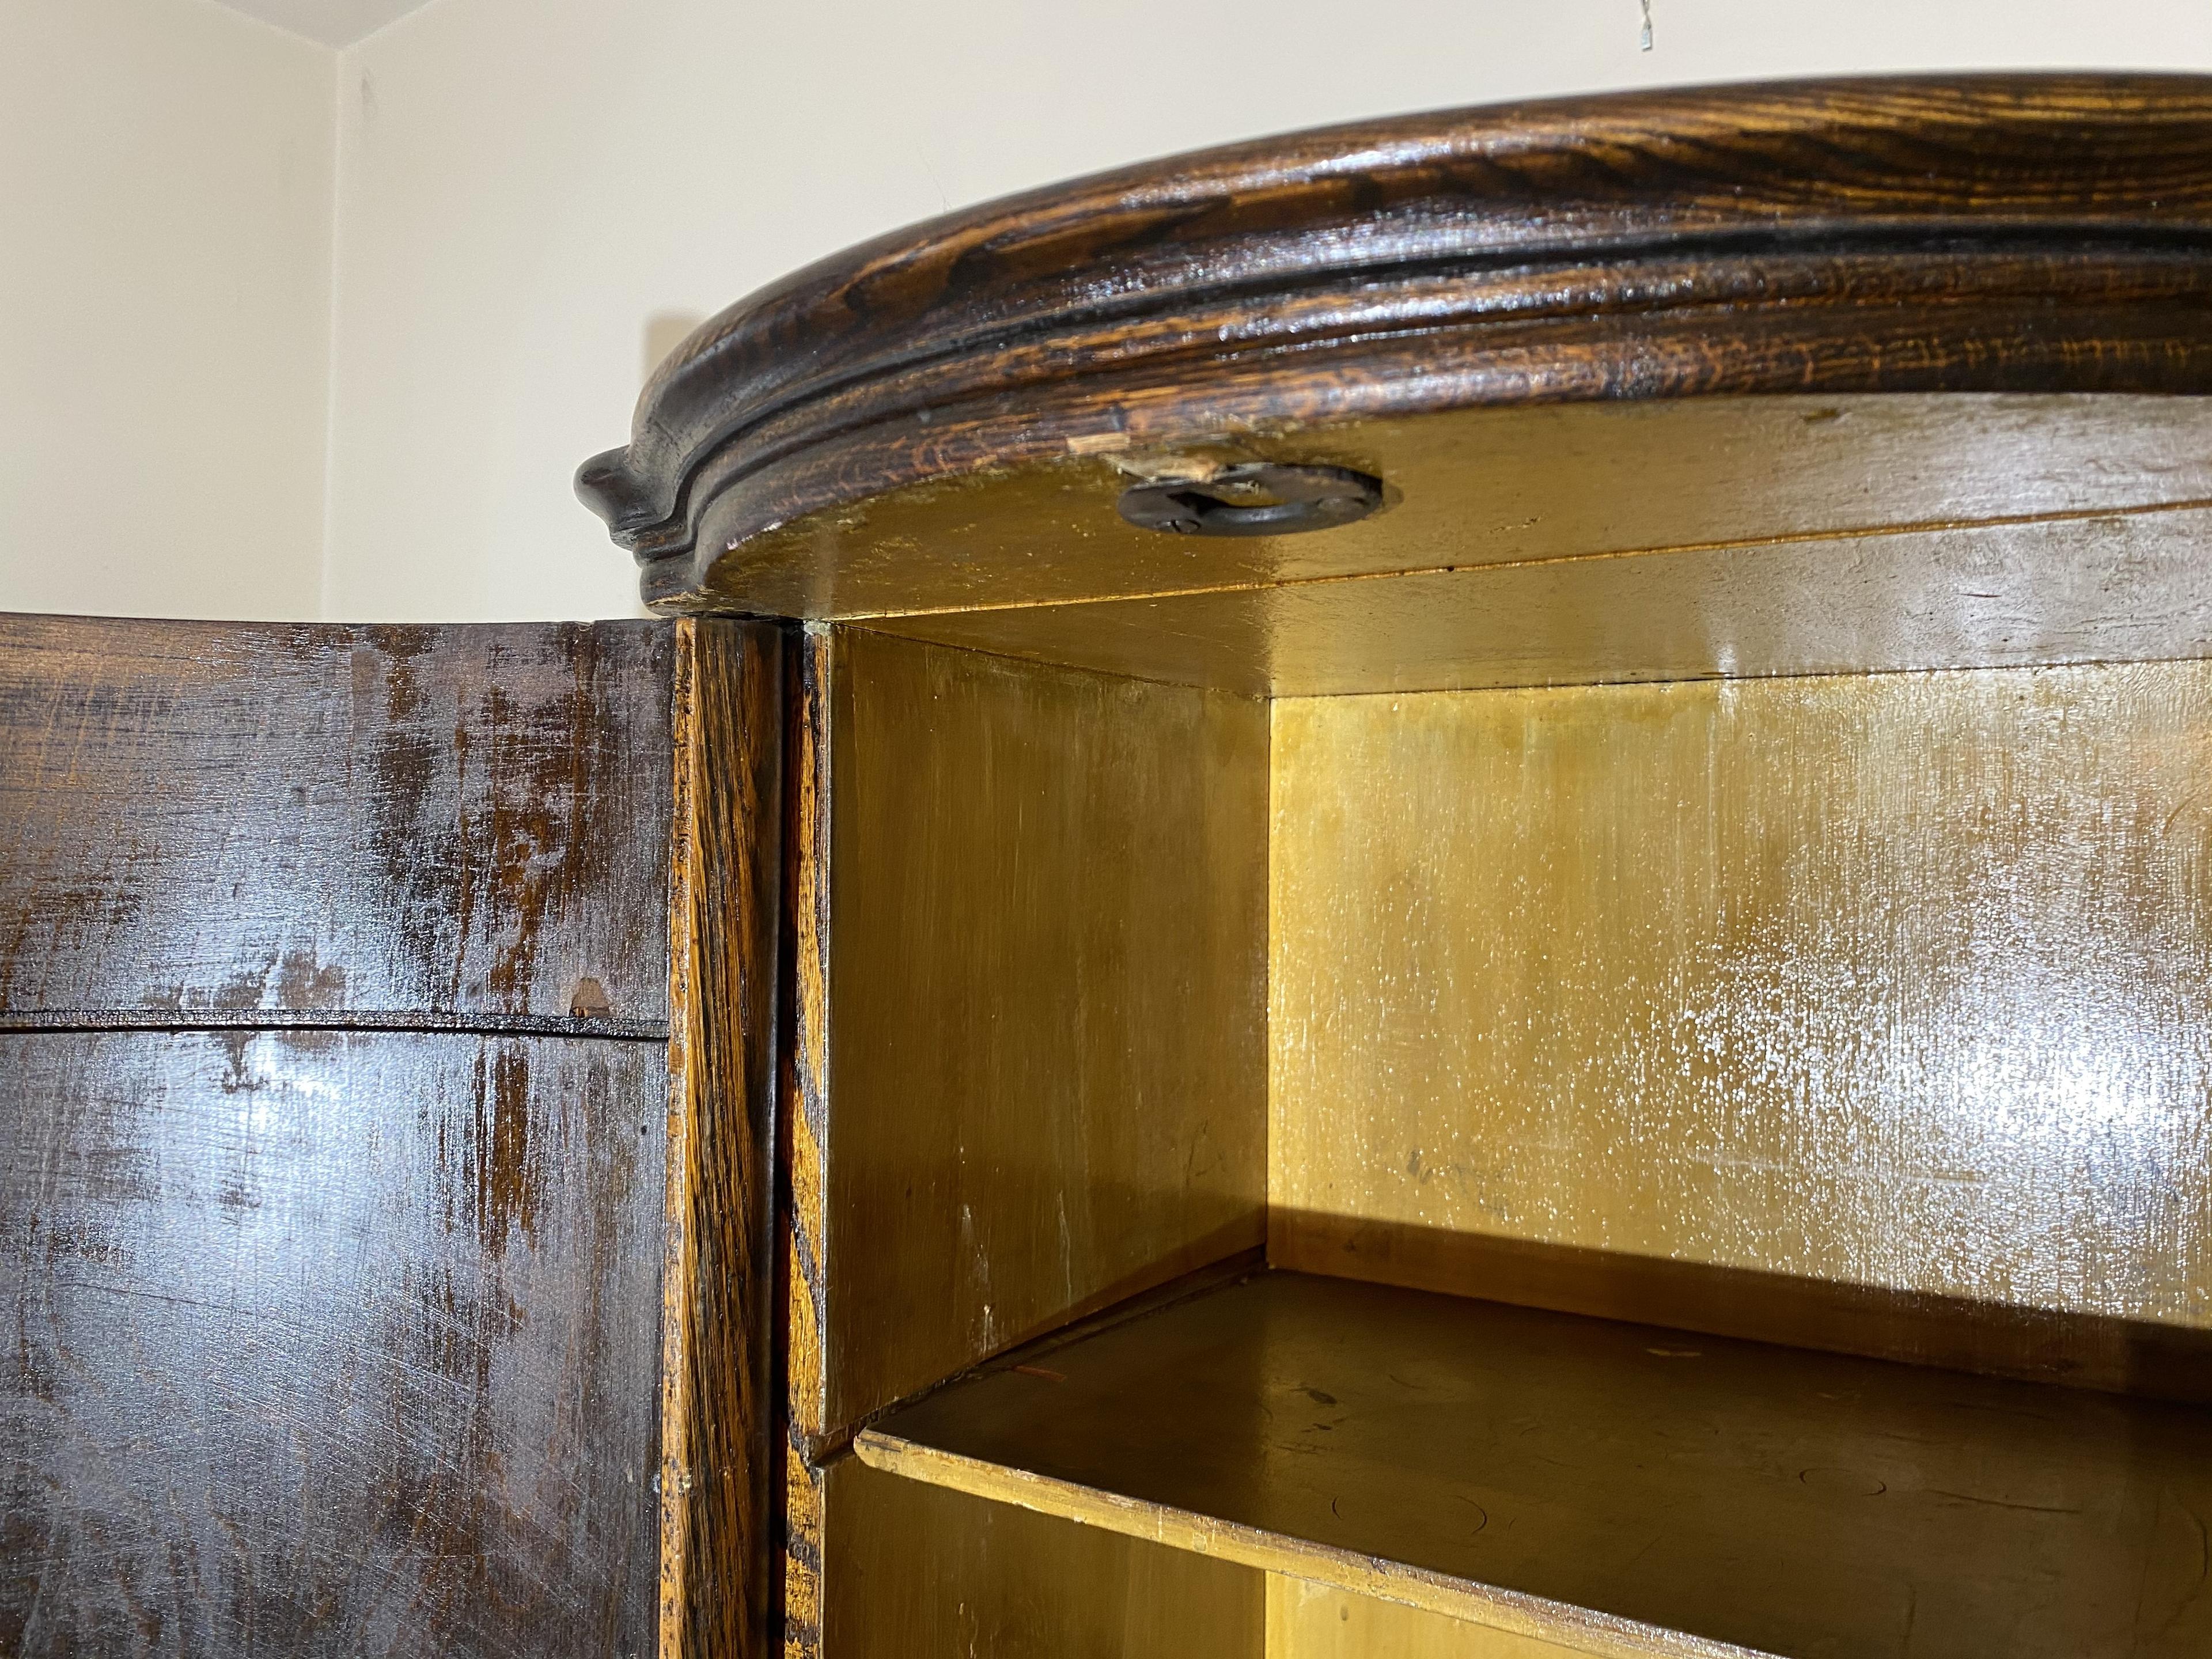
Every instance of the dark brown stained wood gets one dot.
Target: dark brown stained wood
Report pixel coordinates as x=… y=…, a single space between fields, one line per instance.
x=918 y=1572
x=2000 y=234
x=721 y=1419
x=205 y=823
x=1616 y=1488
x=327 y=1342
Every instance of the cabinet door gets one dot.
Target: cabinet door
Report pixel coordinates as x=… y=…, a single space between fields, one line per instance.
x=348 y=1169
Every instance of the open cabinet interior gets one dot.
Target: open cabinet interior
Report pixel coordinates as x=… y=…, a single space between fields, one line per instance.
x=1668 y=1160
x=1498 y=887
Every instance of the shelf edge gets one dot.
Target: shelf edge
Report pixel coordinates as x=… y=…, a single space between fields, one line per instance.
x=1585 y=1631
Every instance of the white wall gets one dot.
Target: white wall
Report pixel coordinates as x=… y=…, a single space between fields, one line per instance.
x=166 y=192
x=533 y=197
x=525 y=185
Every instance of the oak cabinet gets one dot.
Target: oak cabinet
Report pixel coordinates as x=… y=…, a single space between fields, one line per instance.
x=1497 y=899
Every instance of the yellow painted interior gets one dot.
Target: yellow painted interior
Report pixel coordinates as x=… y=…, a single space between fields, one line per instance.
x=1319 y=1621
x=1046 y=1002
x=1902 y=979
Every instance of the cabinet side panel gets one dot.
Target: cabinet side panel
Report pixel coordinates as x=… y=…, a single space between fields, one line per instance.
x=1046 y=1001
x=224 y=823
x=1899 y=984
x=329 y=1343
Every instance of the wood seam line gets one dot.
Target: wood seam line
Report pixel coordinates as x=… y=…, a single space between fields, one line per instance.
x=65 y=1020
x=1733 y=545
x=1518 y=1614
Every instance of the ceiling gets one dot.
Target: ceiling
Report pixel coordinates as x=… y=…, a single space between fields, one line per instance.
x=334 y=23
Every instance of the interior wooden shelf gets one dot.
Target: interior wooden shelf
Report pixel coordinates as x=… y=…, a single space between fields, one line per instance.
x=1614 y=1487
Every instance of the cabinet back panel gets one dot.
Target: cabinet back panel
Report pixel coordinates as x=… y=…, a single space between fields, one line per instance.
x=1902 y=982
x=1045 y=1007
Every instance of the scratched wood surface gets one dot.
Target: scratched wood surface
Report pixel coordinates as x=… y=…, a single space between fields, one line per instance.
x=203 y=821
x=1896 y=981
x=326 y=1342
x=1614 y=1488
x=1044 y=1041
x=334 y=1138
x=916 y=1571
x=1994 y=234
x=720 y=1461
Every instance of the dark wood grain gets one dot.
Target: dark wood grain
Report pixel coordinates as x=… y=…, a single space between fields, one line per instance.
x=1990 y=233
x=720 y=1425
x=323 y=823
x=335 y=1136
x=1618 y=1488
x=329 y=1343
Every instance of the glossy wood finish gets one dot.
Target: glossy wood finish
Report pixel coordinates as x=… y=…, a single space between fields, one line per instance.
x=920 y=1572
x=1044 y=1045
x=211 y=822
x=338 y=1150
x=1998 y=234
x=327 y=1342
x=1896 y=981
x=719 y=1402
x=1618 y=1488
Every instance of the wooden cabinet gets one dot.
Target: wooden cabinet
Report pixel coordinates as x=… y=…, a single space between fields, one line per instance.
x=1433 y=888
x=1497 y=893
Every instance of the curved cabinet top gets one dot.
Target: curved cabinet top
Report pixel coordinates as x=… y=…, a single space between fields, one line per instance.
x=2041 y=234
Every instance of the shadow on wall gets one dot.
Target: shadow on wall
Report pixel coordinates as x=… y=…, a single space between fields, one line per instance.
x=663 y=332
